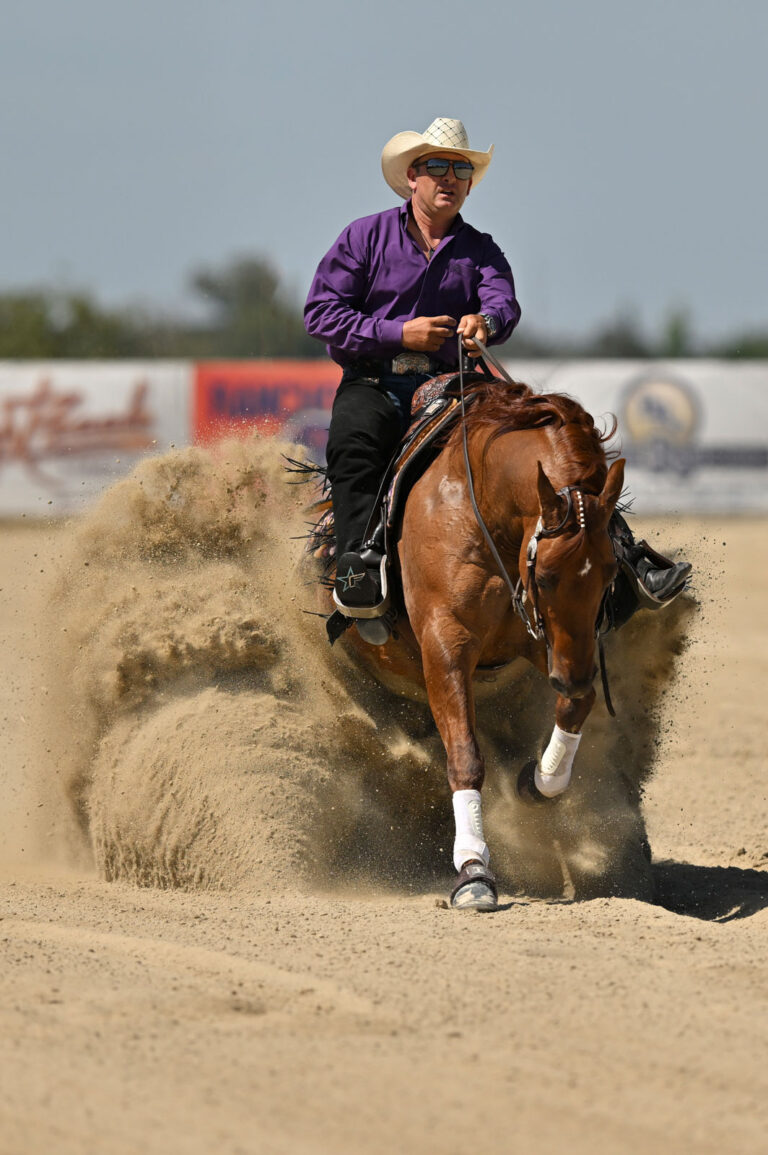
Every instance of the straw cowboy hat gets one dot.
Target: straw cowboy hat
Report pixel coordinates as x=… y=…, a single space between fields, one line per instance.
x=443 y=135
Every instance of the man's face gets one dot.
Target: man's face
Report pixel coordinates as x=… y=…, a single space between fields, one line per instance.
x=438 y=195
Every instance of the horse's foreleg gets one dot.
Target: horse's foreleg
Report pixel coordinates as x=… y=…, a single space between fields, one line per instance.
x=448 y=674
x=553 y=773
x=469 y=843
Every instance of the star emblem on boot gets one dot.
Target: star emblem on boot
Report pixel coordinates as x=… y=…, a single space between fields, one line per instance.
x=350 y=579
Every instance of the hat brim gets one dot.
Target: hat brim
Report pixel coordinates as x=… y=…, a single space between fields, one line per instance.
x=402 y=150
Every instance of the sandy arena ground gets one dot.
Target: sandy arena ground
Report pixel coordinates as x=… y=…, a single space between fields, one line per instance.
x=267 y=1016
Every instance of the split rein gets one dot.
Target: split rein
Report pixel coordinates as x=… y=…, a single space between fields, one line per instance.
x=520 y=591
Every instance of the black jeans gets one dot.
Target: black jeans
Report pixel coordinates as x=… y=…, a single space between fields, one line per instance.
x=367 y=424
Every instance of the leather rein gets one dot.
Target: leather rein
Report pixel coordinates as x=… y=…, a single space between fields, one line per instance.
x=521 y=591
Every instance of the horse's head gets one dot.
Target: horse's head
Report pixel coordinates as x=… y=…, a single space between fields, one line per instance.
x=573 y=566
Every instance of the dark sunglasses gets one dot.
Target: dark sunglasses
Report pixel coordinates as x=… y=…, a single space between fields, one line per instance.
x=436 y=166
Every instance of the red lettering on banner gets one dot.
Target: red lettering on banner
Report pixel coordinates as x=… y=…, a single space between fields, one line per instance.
x=234 y=398
x=45 y=425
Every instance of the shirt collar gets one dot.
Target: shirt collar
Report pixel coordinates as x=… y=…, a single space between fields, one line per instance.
x=456 y=224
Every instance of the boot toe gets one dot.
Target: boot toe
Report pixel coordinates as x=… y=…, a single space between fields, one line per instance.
x=663 y=583
x=355 y=583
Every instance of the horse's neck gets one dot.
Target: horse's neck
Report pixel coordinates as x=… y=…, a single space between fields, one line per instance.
x=507 y=468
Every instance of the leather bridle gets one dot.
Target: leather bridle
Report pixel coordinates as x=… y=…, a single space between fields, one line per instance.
x=528 y=590
x=520 y=591
x=574 y=498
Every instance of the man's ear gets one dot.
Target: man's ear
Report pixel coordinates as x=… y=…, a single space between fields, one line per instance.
x=410 y=176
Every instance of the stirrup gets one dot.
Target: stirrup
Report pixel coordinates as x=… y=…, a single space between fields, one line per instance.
x=628 y=552
x=375 y=611
x=646 y=598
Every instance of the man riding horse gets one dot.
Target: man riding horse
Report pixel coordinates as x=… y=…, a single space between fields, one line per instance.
x=388 y=299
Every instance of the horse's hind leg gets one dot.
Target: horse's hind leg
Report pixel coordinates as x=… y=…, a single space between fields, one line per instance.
x=448 y=664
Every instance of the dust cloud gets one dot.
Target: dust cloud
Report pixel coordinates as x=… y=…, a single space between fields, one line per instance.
x=205 y=735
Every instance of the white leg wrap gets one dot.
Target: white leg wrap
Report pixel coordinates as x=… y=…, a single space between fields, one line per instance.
x=554 y=773
x=469 y=842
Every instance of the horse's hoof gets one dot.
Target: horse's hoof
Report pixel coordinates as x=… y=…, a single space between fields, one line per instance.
x=527 y=790
x=475 y=889
x=475 y=896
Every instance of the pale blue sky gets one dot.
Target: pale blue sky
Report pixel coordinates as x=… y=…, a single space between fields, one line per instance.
x=139 y=140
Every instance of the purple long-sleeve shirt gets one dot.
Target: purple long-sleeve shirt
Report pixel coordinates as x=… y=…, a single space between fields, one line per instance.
x=375 y=277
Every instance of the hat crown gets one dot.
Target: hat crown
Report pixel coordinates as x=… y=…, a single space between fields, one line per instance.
x=443 y=135
x=444 y=132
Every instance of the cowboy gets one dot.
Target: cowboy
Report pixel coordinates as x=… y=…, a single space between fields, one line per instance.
x=390 y=299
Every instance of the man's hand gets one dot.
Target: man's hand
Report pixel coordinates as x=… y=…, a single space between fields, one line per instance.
x=427 y=334
x=471 y=325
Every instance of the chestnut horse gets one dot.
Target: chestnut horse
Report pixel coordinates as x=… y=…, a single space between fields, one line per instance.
x=524 y=477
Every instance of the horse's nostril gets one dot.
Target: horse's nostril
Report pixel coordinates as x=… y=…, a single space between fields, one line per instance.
x=572 y=689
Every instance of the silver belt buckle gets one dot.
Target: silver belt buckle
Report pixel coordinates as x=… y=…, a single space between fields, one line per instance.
x=411 y=363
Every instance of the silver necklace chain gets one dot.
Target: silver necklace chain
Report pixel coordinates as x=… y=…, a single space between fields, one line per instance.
x=427 y=245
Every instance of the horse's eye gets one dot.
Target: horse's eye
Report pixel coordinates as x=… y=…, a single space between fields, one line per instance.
x=546 y=581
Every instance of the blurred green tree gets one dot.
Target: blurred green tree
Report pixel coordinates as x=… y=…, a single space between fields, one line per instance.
x=49 y=325
x=619 y=338
x=752 y=344
x=676 y=339
x=247 y=312
x=252 y=315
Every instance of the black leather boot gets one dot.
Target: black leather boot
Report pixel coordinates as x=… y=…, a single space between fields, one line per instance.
x=358 y=579
x=361 y=592
x=662 y=584
x=646 y=579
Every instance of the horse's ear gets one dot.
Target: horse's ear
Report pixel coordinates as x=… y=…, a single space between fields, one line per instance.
x=548 y=500
x=614 y=483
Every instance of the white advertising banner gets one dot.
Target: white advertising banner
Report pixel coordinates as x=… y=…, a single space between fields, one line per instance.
x=694 y=432
x=69 y=429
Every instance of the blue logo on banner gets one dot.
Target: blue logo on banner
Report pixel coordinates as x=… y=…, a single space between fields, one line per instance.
x=661 y=417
